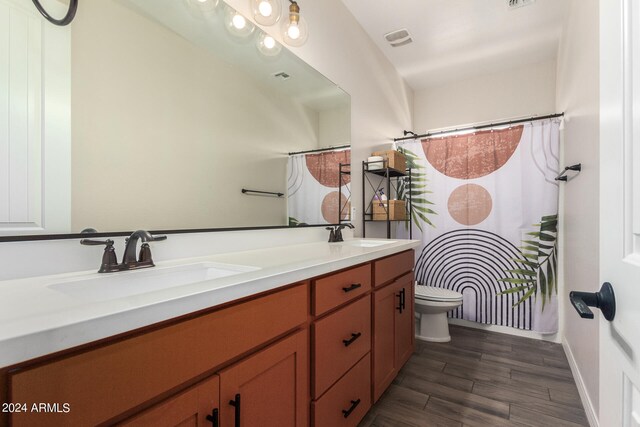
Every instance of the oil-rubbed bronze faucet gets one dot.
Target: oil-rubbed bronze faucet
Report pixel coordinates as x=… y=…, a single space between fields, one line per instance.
x=129 y=260
x=335 y=235
x=129 y=257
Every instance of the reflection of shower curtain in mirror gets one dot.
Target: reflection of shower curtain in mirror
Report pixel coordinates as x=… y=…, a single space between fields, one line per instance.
x=313 y=187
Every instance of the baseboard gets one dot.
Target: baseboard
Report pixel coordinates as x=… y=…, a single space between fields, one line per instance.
x=582 y=390
x=506 y=330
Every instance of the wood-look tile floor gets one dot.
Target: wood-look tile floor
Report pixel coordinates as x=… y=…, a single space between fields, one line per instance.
x=481 y=379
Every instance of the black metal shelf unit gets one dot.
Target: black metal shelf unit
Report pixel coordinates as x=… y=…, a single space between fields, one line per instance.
x=344 y=208
x=394 y=179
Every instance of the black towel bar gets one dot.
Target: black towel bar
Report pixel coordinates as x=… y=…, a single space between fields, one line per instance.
x=269 y=193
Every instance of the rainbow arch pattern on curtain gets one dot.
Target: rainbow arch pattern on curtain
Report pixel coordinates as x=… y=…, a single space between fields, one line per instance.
x=492 y=226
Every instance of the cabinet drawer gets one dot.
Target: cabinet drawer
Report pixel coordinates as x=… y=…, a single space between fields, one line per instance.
x=391 y=267
x=352 y=392
x=336 y=289
x=340 y=340
x=105 y=382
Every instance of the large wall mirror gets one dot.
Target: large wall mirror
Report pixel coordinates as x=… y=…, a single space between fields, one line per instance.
x=156 y=114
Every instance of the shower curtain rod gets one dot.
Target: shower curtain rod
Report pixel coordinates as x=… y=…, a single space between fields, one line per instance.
x=319 y=150
x=476 y=127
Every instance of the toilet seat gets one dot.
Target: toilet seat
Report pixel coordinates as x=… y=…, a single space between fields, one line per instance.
x=431 y=293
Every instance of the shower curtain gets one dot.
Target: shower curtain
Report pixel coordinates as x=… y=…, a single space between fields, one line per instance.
x=486 y=207
x=314 y=186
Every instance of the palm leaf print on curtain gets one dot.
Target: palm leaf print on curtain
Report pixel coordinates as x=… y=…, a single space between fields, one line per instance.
x=493 y=238
x=420 y=206
x=538 y=265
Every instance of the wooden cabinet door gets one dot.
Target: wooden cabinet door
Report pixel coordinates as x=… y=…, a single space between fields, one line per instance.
x=386 y=303
x=393 y=331
x=404 y=321
x=268 y=388
x=197 y=406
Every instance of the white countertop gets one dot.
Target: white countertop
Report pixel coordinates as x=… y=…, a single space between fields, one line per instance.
x=36 y=320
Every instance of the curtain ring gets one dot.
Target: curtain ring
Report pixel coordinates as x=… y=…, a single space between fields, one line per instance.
x=66 y=20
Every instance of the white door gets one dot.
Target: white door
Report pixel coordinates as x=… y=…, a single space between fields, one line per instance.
x=35 y=122
x=620 y=210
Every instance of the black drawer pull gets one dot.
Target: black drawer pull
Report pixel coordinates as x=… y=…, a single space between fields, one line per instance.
x=350 y=341
x=347 y=412
x=352 y=287
x=214 y=418
x=402 y=301
x=236 y=404
x=400 y=307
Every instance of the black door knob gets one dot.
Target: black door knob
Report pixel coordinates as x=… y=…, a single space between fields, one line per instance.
x=604 y=299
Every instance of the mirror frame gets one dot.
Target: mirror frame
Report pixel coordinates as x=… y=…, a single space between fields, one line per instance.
x=68 y=236
x=34 y=237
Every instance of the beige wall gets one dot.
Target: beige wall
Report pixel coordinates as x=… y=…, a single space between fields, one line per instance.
x=578 y=97
x=164 y=133
x=517 y=92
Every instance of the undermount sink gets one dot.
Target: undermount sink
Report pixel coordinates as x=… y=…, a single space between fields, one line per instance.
x=110 y=286
x=365 y=243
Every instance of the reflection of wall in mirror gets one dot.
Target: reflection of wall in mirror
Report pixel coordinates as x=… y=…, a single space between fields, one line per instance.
x=334 y=127
x=165 y=135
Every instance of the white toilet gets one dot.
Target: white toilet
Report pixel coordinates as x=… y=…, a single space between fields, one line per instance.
x=432 y=305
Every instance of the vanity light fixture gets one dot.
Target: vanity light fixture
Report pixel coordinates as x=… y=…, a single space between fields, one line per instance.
x=295 y=31
x=236 y=24
x=267 y=45
x=266 y=12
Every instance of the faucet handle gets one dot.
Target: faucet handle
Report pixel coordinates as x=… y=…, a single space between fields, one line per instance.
x=332 y=234
x=92 y=242
x=109 y=258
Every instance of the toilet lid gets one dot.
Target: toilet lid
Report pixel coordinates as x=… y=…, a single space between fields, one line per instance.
x=432 y=293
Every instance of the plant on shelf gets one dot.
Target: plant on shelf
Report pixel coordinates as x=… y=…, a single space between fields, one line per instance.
x=419 y=206
x=539 y=264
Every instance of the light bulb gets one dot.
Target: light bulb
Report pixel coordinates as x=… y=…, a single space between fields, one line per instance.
x=239 y=21
x=237 y=25
x=269 y=42
x=265 y=8
x=294 y=31
x=267 y=45
x=266 y=12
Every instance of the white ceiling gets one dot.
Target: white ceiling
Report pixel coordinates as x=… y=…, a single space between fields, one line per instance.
x=459 y=39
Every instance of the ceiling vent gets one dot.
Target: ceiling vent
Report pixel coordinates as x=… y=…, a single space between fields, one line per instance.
x=515 y=4
x=398 y=38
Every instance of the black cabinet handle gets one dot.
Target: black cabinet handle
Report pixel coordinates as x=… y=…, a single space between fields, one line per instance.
x=352 y=287
x=351 y=340
x=236 y=404
x=604 y=299
x=399 y=307
x=402 y=300
x=214 y=418
x=347 y=412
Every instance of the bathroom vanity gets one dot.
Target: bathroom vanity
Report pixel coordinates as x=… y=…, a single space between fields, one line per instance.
x=311 y=334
